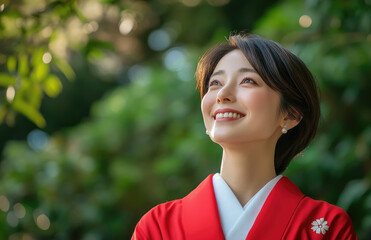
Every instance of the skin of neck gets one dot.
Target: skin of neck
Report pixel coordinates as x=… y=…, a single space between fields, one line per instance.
x=247 y=168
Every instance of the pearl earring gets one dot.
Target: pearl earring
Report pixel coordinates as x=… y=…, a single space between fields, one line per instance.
x=207 y=132
x=284 y=129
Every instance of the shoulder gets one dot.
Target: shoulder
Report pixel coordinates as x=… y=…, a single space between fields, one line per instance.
x=163 y=210
x=321 y=208
x=320 y=219
x=156 y=222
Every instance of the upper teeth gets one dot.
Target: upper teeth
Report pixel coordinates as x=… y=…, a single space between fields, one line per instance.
x=228 y=115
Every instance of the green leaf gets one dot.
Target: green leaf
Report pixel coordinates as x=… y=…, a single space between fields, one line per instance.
x=37 y=57
x=35 y=95
x=6 y=80
x=65 y=68
x=40 y=72
x=96 y=44
x=23 y=69
x=11 y=63
x=29 y=111
x=52 y=86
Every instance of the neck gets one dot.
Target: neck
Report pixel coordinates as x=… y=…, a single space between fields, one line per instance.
x=246 y=169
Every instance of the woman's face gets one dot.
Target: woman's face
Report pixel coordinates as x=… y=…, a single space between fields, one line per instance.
x=239 y=107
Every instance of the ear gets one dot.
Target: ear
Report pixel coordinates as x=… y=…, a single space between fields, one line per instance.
x=291 y=120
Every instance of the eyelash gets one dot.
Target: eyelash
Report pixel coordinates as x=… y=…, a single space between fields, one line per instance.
x=248 y=79
x=211 y=83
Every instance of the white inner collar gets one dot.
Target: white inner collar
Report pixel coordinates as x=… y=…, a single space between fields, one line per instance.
x=237 y=220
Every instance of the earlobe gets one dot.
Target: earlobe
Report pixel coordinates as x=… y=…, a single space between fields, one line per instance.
x=290 y=121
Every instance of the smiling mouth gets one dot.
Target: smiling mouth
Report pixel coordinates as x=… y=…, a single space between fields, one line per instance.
x=228 y=115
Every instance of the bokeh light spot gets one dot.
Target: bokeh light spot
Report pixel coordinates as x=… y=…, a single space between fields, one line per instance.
x=37 y=139
x=27 y=236
x=4 y=203
x=12 y=219
x=47 y=57
x=43 y=222
x=92 y=10
x=2 y=6
x=159 y=40
x=10 y=93
x=126 y=25
x=107 y=64
x=139 y=74
x=305 y=21
x=52 y=169
x=174 y=59
x=90 y=27
x=19 y=210
x=47 y=32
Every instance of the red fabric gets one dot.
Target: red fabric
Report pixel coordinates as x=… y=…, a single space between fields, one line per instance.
x=286 y=214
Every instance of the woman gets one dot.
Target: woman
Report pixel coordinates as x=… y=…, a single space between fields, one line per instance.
x=260 y=104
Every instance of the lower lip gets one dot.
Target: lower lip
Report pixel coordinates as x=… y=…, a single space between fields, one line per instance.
x=226 y=119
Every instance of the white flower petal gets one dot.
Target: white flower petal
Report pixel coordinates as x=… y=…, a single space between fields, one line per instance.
x=320 y=226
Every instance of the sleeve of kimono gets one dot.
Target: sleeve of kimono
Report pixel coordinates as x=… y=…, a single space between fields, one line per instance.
x=161 y=222
x=342 y=228
x=320 y=220
x=147 y=228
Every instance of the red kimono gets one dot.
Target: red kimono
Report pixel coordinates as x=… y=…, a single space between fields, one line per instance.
x=286 y=214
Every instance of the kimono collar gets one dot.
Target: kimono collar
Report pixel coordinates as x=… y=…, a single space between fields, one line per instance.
x=200 y=213
x=237 y=220
x=201 y=220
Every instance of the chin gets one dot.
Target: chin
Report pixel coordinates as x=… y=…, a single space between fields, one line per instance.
x=220 y=138
x=227 y=138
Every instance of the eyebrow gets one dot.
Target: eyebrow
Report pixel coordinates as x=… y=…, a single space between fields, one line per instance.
x=241 y=70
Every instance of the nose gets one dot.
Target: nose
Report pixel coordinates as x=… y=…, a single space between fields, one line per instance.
x=226 y=94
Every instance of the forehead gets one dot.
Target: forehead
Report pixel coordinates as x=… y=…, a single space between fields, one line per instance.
x=232 y=62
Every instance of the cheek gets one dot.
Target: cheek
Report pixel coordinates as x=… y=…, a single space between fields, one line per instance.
x=206 y=104
x=206 y=107
x=262 y=102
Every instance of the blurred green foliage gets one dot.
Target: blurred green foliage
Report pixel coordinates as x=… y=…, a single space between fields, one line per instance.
x=144 y=143
x=27 y=32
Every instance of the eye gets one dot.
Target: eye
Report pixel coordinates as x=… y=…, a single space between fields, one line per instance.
x=214 y=83
x=248 y=81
